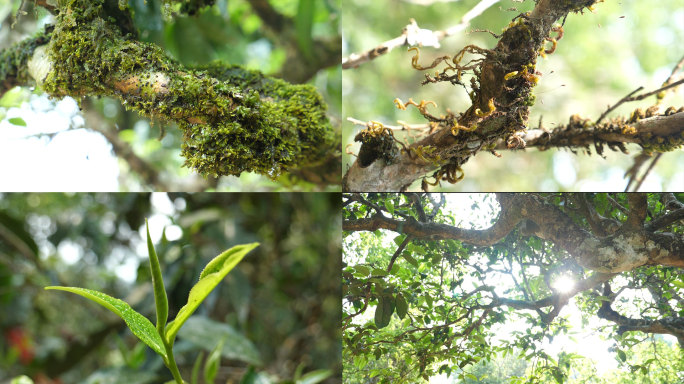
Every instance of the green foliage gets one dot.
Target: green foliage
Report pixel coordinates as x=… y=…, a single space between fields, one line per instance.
x=94 y=241
x=162 y=339
x=444 y=295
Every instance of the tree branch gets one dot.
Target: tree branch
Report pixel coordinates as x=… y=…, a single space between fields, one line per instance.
x=654 y=133
x=501 y=98
x=412 y=35
x=619 y=252
x=14 y=70
x=233 y=120
x=668 y=325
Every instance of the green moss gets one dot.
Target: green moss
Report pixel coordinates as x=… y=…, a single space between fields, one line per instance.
x=14 y=60
x=233 y=120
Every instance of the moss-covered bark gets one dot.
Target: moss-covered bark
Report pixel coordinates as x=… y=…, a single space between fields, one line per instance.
x=233 y=120
x=14 y=60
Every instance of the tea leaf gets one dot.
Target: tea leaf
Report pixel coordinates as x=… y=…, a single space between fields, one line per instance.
x=159 y=291
x=137 y=323
x=212 y=274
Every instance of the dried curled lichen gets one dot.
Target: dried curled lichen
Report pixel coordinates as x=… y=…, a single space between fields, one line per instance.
x=233 y=120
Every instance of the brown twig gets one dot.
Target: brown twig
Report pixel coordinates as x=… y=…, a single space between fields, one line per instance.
x=412 y=35
x=629 y=97
x=643 y=177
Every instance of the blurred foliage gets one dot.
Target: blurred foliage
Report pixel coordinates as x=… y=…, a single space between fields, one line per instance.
x=229 y=31
x=278 y=310
x=602 y=57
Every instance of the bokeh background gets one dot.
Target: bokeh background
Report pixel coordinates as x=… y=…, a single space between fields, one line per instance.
x=279 y=309
x=106 y=148
x=603 y=56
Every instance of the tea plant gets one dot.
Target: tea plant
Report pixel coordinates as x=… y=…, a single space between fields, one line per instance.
x=162 y=337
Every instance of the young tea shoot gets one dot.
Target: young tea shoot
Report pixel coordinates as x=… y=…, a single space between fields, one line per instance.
x=162 y=337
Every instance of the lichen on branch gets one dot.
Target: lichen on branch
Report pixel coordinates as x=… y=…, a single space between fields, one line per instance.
x=500 y=91
x=233 y=120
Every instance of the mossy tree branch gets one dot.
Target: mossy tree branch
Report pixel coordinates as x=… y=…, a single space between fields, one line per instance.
x=14 y=61
x=233 y=120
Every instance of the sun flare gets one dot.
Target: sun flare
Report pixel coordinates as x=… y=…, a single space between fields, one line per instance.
x=563 y=284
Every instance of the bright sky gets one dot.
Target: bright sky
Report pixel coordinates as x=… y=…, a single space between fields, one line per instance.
x=74 y=160
x=586 y=342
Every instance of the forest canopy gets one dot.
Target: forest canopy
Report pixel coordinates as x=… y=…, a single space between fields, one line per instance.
x=448 y=285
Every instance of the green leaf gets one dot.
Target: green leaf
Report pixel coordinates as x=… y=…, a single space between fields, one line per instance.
x=253 y=377
x=212 y=364
x=203 y=332
x=362 y=270
x=389 y=206
x=410 y=259
x=303 y=26
x=194 y=377
x=622 y=355
x=383 y=312
x=17 y=121
x=402 y=306
x=158 y=284
x=210 y=277
x=21 y=380
x=379 y=272
x=137 y=323
x=315 y=377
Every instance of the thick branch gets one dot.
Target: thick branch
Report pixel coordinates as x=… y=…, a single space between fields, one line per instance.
x=667 y=219
x=624 y=250
x=650 y=133
x=667 y=325
x=233 y=120
x=14 y=70
x=637 y=210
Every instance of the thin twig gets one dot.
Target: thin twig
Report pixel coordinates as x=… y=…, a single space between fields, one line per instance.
x=643 y=177
x=639 y=97
x=623 y=100
x=412 y=35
